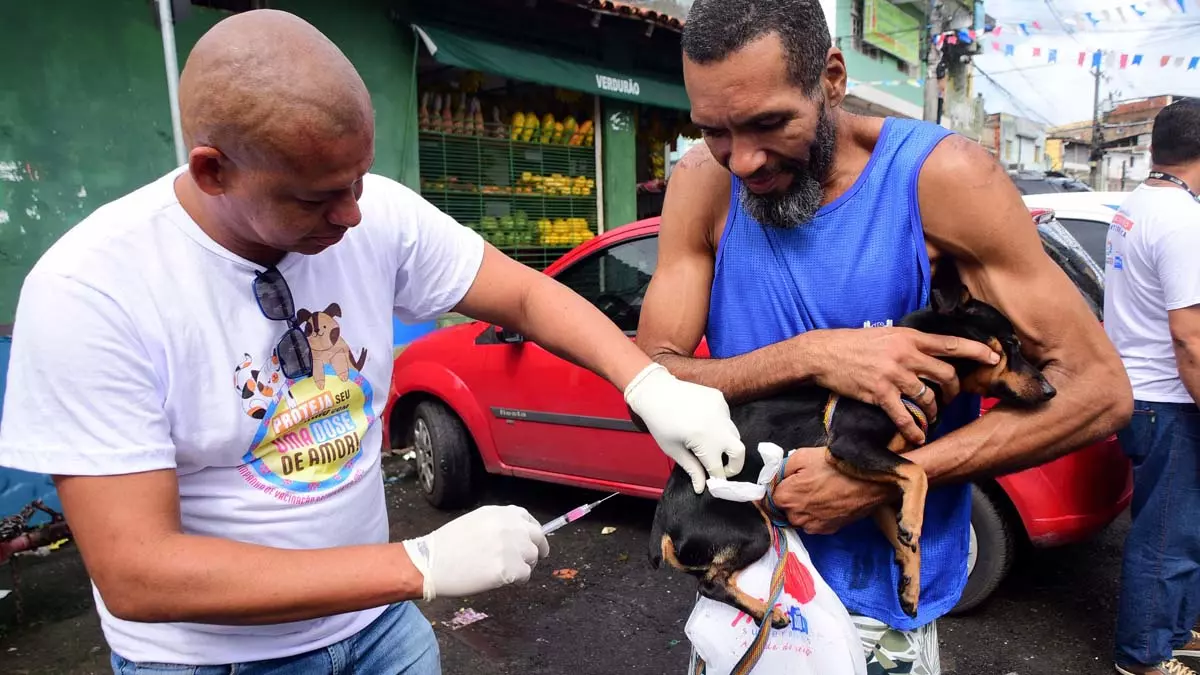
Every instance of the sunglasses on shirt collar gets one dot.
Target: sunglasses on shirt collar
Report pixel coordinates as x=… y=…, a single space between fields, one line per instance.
x=274 y=299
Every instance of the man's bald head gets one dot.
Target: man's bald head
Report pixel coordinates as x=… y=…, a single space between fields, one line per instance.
x=266 y=86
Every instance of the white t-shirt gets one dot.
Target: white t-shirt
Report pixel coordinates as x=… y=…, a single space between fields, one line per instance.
x=1151 y=266
x=138 y=345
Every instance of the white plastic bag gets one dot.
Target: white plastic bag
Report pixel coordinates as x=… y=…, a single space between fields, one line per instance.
x=821 y=639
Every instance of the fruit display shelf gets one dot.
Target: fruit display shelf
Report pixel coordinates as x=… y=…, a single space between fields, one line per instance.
x=534 y=201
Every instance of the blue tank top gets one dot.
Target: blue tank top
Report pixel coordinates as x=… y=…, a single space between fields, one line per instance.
x=860 y=262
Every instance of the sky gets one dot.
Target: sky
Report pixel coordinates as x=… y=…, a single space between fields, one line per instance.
x=1061 y=93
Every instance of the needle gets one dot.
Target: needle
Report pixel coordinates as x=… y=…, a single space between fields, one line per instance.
x=574 y=514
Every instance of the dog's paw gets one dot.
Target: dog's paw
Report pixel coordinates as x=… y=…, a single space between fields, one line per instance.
x=779 y=618
x=908 y=593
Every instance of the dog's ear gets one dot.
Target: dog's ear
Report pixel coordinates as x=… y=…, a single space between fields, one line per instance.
x=333 y=310
x=334 y=335
x=947 y=292
x=304 y=316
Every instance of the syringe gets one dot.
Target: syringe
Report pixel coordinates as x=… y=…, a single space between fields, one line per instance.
x=574 y=514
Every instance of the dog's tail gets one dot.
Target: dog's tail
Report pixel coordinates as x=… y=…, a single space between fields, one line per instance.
x=361 y=361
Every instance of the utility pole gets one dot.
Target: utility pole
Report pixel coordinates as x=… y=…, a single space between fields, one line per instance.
x=1097 y=137
x=933 y=57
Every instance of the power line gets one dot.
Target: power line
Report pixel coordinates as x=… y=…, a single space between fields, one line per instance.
x=1011 y=97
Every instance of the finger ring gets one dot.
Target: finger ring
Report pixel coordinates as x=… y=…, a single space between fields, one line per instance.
x=921 y=393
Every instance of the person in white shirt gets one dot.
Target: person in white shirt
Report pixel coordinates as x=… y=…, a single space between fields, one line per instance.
x=1152 y=316
x=201 y=365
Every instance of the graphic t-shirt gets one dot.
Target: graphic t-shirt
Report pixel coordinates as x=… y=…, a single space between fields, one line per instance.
x=139 y=345
x=1150 y=268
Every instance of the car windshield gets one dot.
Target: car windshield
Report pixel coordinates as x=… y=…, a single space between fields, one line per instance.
x=1083 y=270
x=1034 y=184
x=1092 y=235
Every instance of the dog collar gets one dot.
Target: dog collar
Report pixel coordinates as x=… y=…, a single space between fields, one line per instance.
x=918 y=415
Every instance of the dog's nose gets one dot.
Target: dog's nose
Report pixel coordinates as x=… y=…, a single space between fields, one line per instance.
x=1048 y=389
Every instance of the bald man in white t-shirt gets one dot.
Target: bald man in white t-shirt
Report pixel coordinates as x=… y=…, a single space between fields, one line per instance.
x=1152 y=315
x=202 y=363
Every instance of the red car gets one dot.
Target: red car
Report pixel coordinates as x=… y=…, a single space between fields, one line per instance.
x=474 y=398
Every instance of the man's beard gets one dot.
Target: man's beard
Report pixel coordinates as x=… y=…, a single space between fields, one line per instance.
x=799 y=203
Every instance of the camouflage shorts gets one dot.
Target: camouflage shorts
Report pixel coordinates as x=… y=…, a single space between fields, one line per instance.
x=889 y=651
x=892 y=652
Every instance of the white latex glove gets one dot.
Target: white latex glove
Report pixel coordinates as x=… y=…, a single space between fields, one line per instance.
x=490 y=547
x=689 y=421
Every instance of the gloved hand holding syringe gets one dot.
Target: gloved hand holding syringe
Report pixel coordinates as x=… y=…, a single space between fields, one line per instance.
x=574 y=514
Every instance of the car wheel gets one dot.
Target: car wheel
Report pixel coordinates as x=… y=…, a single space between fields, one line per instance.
x=444 y=456
x=991 y=552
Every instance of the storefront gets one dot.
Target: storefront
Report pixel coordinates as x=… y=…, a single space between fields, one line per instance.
x=539 y=149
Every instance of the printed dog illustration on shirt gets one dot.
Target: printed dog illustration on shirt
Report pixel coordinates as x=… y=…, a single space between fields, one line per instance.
x=327 y=344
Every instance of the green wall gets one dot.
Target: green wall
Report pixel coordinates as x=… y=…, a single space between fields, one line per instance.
x=866 y=69
x=83 y=119
x=84 y=115
x=618 y=150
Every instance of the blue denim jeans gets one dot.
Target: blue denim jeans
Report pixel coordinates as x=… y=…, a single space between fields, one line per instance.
x=399 y=642
x=1160 y=574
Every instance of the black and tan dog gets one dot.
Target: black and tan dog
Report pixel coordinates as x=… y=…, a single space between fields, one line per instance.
x=714 y=539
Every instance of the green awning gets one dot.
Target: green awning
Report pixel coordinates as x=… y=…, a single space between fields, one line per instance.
x=456 y=49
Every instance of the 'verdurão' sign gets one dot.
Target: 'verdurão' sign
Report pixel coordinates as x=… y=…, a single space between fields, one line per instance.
x=618 y=85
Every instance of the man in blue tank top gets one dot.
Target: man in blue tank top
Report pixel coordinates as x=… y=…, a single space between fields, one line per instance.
x=796 y=235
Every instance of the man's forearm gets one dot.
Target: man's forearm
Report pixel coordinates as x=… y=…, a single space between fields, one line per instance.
x=569 y=327
x=1089 y=407
x=751 y=375
x=1187 y=360
x=213 y=580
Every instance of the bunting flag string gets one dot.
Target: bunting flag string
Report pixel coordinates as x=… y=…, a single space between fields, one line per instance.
x=1099 y=18
x=1093 y=58
x=910 y=82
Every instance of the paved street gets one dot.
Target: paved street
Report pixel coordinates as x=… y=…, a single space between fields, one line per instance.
x=1053 y=615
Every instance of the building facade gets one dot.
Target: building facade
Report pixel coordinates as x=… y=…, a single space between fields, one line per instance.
x=1124 y=147
x=1017 y=143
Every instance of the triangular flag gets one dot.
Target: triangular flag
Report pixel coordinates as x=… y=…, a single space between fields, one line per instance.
x=1178 y=61
x=1091 y=18
x=1008 y=50
x=1124 y=60
x=996 y=30
x=1121 y=13
x=1139 y=12
x=1053 y=56
x=1110 y=60
x=1164 y=61
x=1096 y=59
x=1181 y=7
x=1037 y=51
x=952 y=39
x=1037 y=26
x=1137 y=59
x=1082 y=55
x=1023 y=28
x=1194 y=62
x=996 y=46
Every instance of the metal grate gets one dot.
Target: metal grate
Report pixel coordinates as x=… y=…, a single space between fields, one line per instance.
x=534 y=201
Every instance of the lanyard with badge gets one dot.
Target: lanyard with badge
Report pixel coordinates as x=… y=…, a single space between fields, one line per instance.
x=1163 y=176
